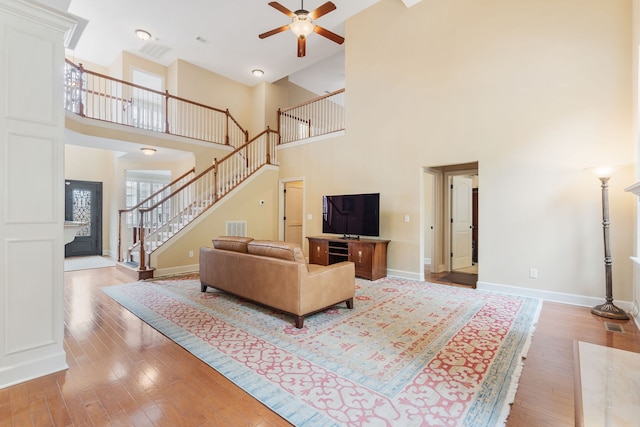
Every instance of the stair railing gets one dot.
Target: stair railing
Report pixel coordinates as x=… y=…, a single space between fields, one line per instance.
x=316 y=117
x=127 y=218
x=97 y=96
x=159 y=222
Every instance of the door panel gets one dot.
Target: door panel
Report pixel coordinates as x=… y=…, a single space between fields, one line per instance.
x=293 y=212
x=461 y=225
x=83 y=203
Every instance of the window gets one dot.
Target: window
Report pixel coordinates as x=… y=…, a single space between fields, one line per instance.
x=140 y=185
x=147 y=108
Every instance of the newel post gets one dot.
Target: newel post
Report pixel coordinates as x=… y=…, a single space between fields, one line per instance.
x=80 y=87
x=120 y=235
x=143 y=256
x=268 y=141
x=226 y=138
x=279 y=116
x=166 y=114
x=215 y=179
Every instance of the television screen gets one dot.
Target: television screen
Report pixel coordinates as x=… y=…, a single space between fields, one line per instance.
x=351 y=215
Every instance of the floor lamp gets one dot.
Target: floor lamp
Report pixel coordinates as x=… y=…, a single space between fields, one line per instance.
x=608 y=309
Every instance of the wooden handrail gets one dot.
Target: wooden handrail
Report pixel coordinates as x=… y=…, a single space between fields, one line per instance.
x=104 y=76
x=192 y=170
x=204 y=190
x=207 y=170
x=122 y=211
x=314 y=100
x=168 y=111
x=319 y=116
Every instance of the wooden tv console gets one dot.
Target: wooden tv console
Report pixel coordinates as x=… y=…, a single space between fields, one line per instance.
x=369 y=255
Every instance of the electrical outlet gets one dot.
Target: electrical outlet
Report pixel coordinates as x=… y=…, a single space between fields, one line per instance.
x=533 y=273
x=190 y=254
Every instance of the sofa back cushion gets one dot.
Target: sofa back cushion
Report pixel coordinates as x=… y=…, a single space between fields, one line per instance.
x=232 y=243
x=283 y=250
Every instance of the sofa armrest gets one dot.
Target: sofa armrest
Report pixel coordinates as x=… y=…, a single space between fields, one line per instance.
x=326 y=285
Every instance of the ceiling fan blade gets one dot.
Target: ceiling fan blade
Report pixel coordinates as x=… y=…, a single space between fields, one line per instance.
x=328 y=34
x=281 y=8
x=322 y=10
x=302 y=46
x=274 y=31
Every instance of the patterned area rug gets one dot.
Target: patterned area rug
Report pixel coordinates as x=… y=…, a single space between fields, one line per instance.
x=409 y=353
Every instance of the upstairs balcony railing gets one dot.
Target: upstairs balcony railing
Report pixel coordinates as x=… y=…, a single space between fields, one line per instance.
x=101 y=97
x=319 y=116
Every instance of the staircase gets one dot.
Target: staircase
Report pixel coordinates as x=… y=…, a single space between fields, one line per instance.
x=163 y=215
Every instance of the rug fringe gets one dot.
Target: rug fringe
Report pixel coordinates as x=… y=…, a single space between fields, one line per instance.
x=515 y=380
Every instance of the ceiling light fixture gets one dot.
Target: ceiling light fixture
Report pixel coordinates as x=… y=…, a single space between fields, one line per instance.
x=143 y=35
x=301 y=25
x=257 y=72
x=148 y=151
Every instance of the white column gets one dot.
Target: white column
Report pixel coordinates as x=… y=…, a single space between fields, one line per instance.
x=31 y=190
x=635 y=189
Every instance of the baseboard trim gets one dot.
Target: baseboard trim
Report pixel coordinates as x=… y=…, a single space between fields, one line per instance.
x=175 y=271
x=34 y=368
x=564 y=298
x=404 y=274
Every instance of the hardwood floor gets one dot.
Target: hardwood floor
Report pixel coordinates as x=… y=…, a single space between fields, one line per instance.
x=123 y=372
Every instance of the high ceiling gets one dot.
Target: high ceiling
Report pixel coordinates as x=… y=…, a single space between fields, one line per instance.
x=218 y=35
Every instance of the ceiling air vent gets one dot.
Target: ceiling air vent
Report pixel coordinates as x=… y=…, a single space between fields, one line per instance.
x=154 y=49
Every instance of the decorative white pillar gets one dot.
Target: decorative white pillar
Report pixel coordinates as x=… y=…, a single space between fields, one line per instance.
x=31 y=190
x=635 y=312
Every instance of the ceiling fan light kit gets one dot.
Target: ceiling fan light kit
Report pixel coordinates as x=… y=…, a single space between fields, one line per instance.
x=302 y=24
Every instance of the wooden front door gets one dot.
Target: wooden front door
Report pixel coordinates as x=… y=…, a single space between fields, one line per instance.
x=83 y=202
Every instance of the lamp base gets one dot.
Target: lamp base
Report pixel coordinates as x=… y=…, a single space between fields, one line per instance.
x=609 y=311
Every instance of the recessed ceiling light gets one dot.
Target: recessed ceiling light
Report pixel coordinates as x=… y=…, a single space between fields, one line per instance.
x=257 y=73
x=148 y=151
x=143 y=35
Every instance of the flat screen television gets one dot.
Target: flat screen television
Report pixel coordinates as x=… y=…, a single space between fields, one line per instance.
x=351 y=215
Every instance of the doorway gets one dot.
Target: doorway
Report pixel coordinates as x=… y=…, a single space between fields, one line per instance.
x=449 y=245
x=292 y=207
x=83 y=203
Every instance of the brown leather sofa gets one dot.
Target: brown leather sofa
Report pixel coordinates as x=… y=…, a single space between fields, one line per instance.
x=275 y=274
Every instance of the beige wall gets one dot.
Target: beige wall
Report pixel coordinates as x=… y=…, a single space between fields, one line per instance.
x=200 y=85
x=534 y=91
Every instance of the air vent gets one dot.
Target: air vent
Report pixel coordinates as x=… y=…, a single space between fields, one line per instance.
x=154 y=49
x=237 y=228
x=613 y=327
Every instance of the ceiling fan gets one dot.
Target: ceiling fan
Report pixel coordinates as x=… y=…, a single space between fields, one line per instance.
x=302 y=24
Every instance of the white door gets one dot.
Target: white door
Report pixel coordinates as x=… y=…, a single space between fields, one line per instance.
x=461 y=222
x=293 y=212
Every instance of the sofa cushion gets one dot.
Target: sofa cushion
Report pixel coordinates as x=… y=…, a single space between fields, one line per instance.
x=283 y=250
x=231 y=243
